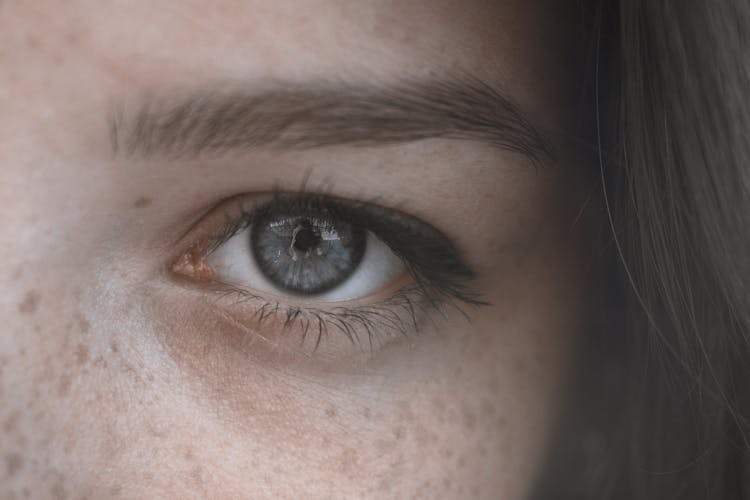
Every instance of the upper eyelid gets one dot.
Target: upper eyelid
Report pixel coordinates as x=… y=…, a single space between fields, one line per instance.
x=363 y=212
x=246 y=204
x=196 y=222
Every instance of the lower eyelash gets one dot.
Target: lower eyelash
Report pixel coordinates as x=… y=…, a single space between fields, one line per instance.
x=401 y=315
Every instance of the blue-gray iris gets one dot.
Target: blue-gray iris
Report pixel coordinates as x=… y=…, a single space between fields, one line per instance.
x=306 y=254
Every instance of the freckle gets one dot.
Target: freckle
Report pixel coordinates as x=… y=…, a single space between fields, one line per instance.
x=197 y=474
x=470 y=420
x=142 y=202
x=58 y=492
x=424 y=489
x=11 y=423
x=83 y=323
x=13 y=464
x=331 y=412
x=367 y=413
x=82 y=354
x=30 y=303
x=383 y=446
x=385 y=487
x=114 y=346
x=33 y=42
x=348 y=461
x=74 y=36
x=63 y=387
x=398 y=433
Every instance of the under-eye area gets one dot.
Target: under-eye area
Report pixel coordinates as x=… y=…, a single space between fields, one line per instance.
x=316 y=268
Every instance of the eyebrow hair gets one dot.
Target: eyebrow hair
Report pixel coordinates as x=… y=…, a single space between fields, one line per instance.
x=214 y=122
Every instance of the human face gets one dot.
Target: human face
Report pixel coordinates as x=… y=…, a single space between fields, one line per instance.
x=130 y=369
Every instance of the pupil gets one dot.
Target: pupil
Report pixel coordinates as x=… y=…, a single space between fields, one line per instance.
x=305 y=238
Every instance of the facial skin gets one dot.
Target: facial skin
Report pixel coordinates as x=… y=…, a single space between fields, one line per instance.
x=119 y=380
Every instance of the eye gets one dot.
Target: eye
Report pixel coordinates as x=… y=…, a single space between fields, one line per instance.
x=322 y=266
x=306 y=252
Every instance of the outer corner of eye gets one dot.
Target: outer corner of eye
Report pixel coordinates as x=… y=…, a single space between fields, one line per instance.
x=191 y=264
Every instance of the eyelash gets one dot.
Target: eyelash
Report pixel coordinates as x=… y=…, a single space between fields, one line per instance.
x=441 y=279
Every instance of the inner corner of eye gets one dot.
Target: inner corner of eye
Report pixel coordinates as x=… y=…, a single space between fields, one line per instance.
x=192 y=264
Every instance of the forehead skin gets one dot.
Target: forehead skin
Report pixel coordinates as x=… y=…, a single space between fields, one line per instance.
x=110 y=386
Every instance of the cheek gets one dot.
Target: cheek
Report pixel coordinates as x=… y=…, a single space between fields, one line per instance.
x=49 y=358
x=82 y=406
x=464 y=407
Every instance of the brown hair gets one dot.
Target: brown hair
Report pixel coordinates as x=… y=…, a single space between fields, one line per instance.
x=661 y=407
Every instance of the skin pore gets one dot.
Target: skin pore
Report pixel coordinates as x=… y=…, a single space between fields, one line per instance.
x=119 y=379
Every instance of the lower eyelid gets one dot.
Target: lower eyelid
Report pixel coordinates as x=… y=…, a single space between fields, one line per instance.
x=220 y=348
x=252 y=323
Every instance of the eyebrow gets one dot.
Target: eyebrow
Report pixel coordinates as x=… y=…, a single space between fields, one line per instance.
x=219 y=121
